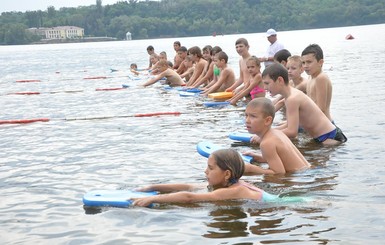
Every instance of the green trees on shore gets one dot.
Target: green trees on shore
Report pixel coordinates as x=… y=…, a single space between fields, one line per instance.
x=180 y=18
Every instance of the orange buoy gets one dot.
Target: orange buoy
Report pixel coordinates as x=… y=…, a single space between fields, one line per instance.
x=349 y=37
x=24 y=121
x=28 y=81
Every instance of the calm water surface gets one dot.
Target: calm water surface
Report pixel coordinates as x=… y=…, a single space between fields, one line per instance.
x=45 y=168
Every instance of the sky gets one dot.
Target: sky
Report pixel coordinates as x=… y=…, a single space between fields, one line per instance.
x=30 y=5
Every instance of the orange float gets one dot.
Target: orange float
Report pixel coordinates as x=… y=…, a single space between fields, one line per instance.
x=24 y=121
x=28 y=81
x=26 y=93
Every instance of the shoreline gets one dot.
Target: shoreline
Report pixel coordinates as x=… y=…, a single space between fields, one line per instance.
x=82 y=40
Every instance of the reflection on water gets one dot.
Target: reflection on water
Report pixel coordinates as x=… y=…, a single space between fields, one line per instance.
x=45 y=168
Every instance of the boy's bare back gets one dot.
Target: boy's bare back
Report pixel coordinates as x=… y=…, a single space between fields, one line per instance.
x=319 y=89
x=279 y=152
x=302 y=111
x=173 y=78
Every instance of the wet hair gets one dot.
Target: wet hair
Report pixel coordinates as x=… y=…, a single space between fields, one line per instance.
x=295 y=58
x=255 y=60
x=134 y=65
x=195 y=51
x=169 y=63
x=177 y=43
x=164 y=54
x=222 y=56
x=207 y=48
x=265 y=104
x=314 y=49
x=229 y=159
x=276 y=70
x=242 y=41
x=282 y=55
x=182 y=49
x=150 y=48
x=215 y=49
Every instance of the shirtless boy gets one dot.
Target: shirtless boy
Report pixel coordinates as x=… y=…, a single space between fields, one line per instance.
x=182 y=53
x=300 y=109
x=295 y=70
x=319 y=87
x=173 y=78
x=277 y=149
x=177 y=60
x=200 y=63
x=226 y=76
x=242 y=47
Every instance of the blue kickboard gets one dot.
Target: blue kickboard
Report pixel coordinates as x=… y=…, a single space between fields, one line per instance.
x=205 y=148
x=113 y=198
x=243 y=137
x=187 y=94
x=215 y=103
x=193 y=90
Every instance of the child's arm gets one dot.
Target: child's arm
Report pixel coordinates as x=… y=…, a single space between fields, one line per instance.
x=206 y=77
x=246 y=89
x=269 y=152
x=197 y=72
x=222 y=78
x=168 y=187
x=292 y=118
x=322 y=92
x=256 y=157
x=251 y=169
x=187 y=197
x=279 y=104
x=188 y=72
x=155 y=79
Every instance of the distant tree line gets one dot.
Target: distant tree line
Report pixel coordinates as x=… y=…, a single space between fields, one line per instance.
x=180 y=18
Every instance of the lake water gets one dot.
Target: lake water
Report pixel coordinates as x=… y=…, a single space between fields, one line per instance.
x=46 y=167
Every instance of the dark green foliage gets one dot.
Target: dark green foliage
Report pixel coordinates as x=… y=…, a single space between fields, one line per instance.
x=179 y=18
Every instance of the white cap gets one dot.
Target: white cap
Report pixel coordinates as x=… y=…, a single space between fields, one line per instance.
x=271 y=32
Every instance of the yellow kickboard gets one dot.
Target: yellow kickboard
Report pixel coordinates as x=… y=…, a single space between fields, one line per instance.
x=221 y=95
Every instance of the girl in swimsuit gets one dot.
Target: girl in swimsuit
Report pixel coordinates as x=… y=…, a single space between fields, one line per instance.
x=224 y=169
x=254 y=87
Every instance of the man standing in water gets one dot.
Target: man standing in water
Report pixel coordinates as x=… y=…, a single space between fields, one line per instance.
x=274 y=47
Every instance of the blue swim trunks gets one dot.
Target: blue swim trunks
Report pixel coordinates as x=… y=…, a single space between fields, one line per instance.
x=335 y=134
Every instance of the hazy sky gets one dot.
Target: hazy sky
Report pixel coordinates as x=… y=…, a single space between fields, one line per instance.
x=28 y=5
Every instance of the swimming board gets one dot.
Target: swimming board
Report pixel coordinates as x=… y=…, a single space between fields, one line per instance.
x=205 y=148
x=243 y=137
x=215 y=103
x=113 y=198
x=187 y=94
x=193 y=90
x=221 y=95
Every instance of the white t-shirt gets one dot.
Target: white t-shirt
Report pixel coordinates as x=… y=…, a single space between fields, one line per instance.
x=272 y=50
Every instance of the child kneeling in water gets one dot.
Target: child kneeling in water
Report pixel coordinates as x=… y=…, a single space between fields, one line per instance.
x=224 y=169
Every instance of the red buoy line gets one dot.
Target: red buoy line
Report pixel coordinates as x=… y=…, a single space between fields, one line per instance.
x=152 y=114
x=28 y=81
x=24 y=93
x=66 y=91
x=24 y=121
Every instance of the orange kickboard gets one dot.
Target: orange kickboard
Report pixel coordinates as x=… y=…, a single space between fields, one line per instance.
x=221 y=95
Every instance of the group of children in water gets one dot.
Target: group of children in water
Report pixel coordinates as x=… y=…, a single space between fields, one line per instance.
x=306 y=103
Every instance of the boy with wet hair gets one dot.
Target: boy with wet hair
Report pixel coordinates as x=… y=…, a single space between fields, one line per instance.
x=300 y=109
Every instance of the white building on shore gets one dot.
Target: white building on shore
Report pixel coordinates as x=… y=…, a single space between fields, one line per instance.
x=59 y=32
